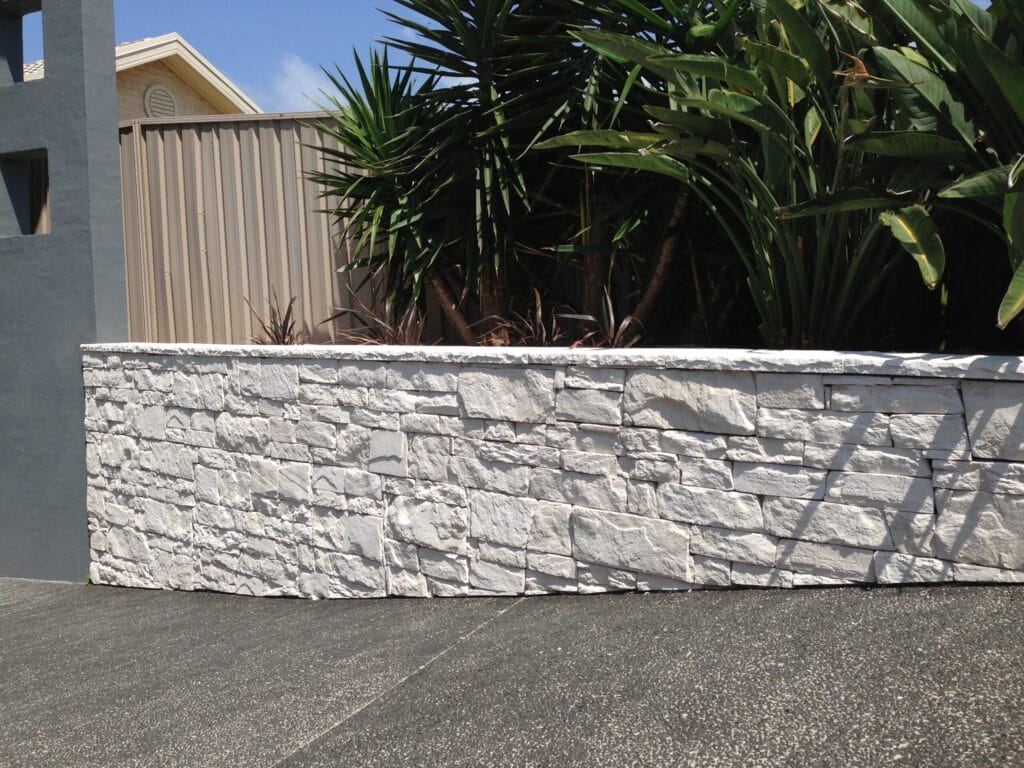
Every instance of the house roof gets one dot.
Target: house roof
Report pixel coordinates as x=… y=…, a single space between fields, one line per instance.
x=185 y=61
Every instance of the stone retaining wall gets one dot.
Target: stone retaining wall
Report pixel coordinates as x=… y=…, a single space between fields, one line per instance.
x=364 y=472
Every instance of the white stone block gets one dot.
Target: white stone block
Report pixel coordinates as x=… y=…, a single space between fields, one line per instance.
x=497 y=578
x=981 y=574
x=706 y=473
x=428 y=524
x=406 y=584
x=744 y=575
x=702 y=401
x=609 y=379
x=790 y=390
x=867 y=459
x=703 y=506
x=507 y=395
x=279 y=381
x=907 y=494
x=551 y=565
x=581 y=490
x=827 y=523
x=897 y=399
x=429 y=456
x=642 y=499
x=739 y=546
x=597 y=579
x=929 y=432
x=629 y=542
x=489 y=475
x=589 y=406
x=780 y=480
x=896 y=568
x=995 y=416
x=828 y=560
x=711 y=571
x=698 y=445
x=982 y=529
x=424 y=377
x=550 y=529
x=824 y=426
x=590 y=463
x=388 y=453
x=242 y=435
x=446 y=566
x=500 y=519
x=763 y=450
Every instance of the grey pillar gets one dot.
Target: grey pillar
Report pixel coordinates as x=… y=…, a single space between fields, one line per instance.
x=57 y=290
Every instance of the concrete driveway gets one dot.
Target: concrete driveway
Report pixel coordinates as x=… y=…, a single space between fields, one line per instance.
x=93 y=676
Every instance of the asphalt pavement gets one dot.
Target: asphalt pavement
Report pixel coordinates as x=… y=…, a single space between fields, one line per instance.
x=96 y=676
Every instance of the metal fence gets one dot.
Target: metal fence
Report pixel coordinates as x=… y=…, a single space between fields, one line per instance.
x=219 y=211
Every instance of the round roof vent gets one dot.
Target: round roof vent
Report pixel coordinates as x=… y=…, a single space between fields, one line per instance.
x=159 y=102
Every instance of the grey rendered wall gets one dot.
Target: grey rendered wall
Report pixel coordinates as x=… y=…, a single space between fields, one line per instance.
x=59 y=290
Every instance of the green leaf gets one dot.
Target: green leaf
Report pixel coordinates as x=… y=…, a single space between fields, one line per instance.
x=611 y=139
x=857 y=199
x=686 y=149
x=991 y=183
x=916 y=231
x=624 y=48
x=782 y=61
x=715 y=67
x=1007 y=74
x=1013 y=301
x=807 y=41
x=665 y=166
x=1013 y=223
x=908 y=144
x=692 y=123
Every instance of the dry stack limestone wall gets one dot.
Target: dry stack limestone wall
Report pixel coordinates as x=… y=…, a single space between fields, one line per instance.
x=364 y=472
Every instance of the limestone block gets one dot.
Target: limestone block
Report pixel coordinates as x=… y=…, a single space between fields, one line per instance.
x=702 y=401
x=168 y=459
x=446 y=404
x=200 y=393
x=587 y=439
x=406 y=583
x=637 y=440
x=897 y=568
x=279 y=381
x=353 y=444
x=912 y=533
x=424 y=490
x=929 y=432
x=984 y=575
x=628 y=542
x=402 y=555
x=739 y=546
x=550 y=530
x=489 y=475
x=711 y=571
x=995 y=418
x=501 y=519
x=497 y=553
x=589 y=463
x=509 y=453
x=589 y=406
x=827 y=560
x=763 y=450
x=497 y=578
x=780 y=480
x=994 y=477
x=242 y=435
x=446 y=566
x=698 y=445
x=827 y=523
x=790 y=390
x=316 y=434
x=294 y=482
x=146 y=422
x=507 y=395
x=704 y=506
x=428 y=524
x=824 y=426
x=907 y=494
x=422 y=377
x=388 y=453
x=981 y=528
x=642 y=499
x=581 y=490
x=318 y=371
x=654 y=470
x=543 y=584
x=867 y=459
x=744 y=575
x=597 y=579
x=897 y=399
x=608 y=379
x=645 y=582
x=706 y=473
x=551 y=565
x=429 y=456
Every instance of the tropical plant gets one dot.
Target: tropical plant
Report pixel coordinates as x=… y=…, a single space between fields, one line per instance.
x=278 y=327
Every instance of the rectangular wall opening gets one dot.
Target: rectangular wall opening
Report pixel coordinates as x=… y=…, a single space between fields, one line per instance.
x=24 y=194
x=21 y=40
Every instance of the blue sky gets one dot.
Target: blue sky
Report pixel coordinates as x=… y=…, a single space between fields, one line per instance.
x=272 y=50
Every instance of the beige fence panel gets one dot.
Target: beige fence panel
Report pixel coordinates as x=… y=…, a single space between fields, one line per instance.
x=218 y=211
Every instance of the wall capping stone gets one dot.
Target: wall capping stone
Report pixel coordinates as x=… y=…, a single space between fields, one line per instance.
x=915 y=365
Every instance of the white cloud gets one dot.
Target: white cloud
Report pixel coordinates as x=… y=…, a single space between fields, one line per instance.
x=294 y=86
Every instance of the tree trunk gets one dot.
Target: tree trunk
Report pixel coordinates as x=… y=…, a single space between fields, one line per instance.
x=597 y=256
x=451 y=309
x=662 y=267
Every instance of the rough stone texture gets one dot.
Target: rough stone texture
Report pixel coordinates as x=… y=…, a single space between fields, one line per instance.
x=479 y=472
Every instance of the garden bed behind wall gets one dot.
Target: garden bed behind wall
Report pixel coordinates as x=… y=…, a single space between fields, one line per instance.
x=364 y=472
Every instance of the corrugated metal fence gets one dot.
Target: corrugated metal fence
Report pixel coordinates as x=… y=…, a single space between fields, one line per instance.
x=219 y=210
